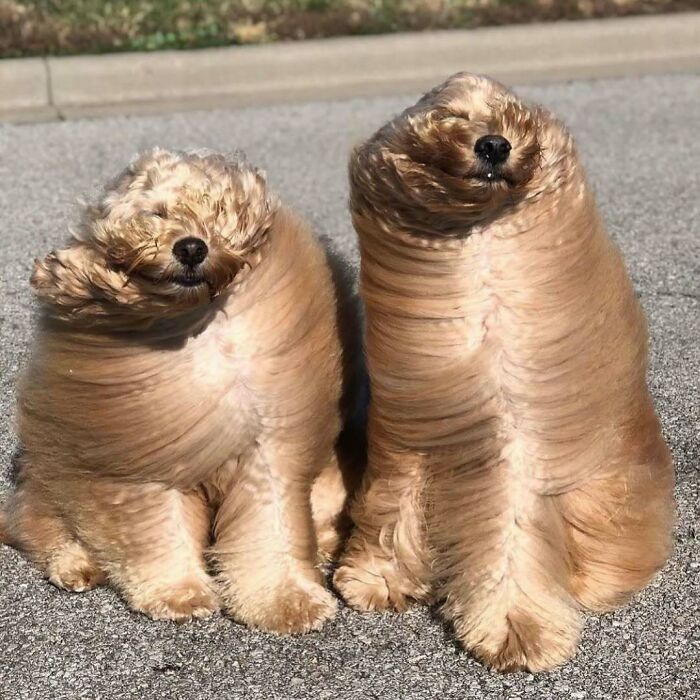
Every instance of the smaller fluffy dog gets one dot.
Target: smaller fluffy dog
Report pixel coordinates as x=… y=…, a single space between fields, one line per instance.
x=516 y=466
x=185 y=386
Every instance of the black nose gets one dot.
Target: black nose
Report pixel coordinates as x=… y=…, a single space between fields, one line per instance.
x=190 y=251
x=492 y=149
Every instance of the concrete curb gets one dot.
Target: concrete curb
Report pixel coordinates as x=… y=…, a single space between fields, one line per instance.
x=24 y=92
x=69 y=87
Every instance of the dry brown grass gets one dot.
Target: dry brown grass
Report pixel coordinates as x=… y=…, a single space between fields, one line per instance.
x=41 y=27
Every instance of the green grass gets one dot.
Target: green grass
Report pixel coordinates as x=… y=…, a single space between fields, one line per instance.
x=54 y=27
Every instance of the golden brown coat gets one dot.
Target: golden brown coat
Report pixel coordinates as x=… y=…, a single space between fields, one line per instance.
x=516 y=471
x=165 y=422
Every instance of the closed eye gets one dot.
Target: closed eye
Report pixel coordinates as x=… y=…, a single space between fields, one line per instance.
x=160 y=211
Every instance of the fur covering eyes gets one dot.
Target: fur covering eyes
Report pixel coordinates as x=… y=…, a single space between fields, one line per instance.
x=517 y=471
x=195 y=361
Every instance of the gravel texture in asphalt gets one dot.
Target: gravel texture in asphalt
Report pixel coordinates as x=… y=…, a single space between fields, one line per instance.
x=638 y=138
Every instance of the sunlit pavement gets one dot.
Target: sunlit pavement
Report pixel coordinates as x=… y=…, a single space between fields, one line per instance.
x=638 y=138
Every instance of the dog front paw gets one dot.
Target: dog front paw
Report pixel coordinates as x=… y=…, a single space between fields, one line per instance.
x=178 y=602
x=73 y=569
x=526 y=649
x=374 y=586
x=294 y=608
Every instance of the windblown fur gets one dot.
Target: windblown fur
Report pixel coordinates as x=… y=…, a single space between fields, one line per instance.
x=167 y=419
x=516 y=467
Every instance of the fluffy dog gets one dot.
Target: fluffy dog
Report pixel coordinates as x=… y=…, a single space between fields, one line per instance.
x=516 y=466
x=185 y=385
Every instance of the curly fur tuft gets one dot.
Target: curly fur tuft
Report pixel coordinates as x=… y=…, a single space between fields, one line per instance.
x=118 y=270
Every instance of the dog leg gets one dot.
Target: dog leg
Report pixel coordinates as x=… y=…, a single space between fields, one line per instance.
x=265 y=546
x=384 y=564
x=35 y=527
x=150 y=540
x=501 y=564
x=329 y=496
x=620 y=528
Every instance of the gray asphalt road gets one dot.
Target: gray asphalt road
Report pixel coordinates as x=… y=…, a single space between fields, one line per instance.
x=639 y=138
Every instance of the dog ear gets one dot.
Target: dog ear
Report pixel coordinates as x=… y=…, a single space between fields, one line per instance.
x=64 y=280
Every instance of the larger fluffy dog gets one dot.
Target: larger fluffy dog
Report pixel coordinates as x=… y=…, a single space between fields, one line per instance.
x=516 y=467
x=185 y=384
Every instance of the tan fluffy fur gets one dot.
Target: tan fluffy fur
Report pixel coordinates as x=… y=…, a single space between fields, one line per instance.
x=516 y=467
x=166 y=427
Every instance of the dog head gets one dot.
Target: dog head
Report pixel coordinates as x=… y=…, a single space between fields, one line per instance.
x=167 y=235
x=467 y=151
